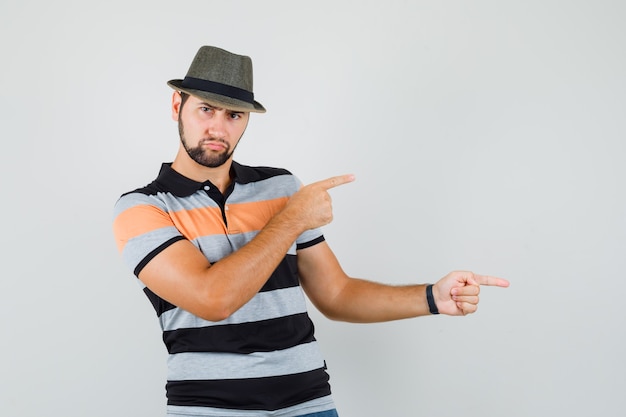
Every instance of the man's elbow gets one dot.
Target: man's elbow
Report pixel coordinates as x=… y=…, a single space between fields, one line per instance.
x=217 y=309
x=213 y=315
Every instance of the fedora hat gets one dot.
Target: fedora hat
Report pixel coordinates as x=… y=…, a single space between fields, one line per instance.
x=221 y=78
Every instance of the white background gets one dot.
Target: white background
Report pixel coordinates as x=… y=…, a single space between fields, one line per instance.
x=485 y=135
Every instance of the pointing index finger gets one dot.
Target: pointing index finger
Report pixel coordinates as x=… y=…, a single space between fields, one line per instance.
x=333 y=182
x=491 y=281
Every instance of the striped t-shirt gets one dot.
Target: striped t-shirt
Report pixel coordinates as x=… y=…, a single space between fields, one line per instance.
x=262 y=357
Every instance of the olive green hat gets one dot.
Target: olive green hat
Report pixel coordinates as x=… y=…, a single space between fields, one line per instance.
x=221 y=78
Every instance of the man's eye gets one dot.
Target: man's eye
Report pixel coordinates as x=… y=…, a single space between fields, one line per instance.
x=235 y=116
x=205 y=109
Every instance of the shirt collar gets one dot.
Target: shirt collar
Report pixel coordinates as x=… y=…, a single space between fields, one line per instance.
x=171 y=181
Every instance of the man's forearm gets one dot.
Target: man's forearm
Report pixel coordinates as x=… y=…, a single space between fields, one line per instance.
x=362 y=301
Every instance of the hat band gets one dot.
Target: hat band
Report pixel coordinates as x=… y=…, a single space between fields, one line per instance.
x=218 y=88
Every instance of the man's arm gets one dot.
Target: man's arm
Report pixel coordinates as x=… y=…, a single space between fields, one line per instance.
x=344 y=298
x=182 y=275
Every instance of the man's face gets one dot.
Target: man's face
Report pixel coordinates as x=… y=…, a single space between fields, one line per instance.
x=209 y=134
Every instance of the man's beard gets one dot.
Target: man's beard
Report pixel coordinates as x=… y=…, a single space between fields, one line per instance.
x=200 y=156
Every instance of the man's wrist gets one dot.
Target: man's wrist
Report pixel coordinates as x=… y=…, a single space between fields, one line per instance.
x=286 y=221
x=430 y=299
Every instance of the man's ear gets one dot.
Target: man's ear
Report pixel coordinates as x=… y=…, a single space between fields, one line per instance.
x=176 y=102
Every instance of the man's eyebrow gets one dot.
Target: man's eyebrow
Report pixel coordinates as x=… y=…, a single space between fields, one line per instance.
x=205 y=104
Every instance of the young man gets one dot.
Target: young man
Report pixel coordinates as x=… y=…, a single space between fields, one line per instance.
x=223 y=252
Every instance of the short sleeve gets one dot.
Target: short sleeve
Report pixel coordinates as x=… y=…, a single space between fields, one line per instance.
x=142 y=228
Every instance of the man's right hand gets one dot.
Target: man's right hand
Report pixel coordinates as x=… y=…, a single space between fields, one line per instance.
x=311 y=206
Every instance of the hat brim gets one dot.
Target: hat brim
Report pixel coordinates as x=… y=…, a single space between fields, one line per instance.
x=219 y=100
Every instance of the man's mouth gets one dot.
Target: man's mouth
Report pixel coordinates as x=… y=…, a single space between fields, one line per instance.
x=214 y=145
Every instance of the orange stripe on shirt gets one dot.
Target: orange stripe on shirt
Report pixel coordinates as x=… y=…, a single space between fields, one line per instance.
x=253 y=216
x=138 y=220
x=242 y=218
x=198 y=222
x=194 y=223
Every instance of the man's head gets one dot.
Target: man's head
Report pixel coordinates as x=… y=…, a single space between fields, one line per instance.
x=212 y=105
x=222 y=79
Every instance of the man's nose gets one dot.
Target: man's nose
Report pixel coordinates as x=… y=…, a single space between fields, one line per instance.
x=217 y=125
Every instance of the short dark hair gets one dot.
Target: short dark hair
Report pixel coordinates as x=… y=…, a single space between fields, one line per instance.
x=183 y=98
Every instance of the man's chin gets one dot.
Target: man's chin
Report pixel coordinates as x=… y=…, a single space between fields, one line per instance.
x=214 y=162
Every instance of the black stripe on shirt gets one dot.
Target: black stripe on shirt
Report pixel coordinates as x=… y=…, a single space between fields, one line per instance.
x=155 y=252
x=159 y=304
x=310 y=243
x=258 y=336
x=270 y=393
x=285 y=276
